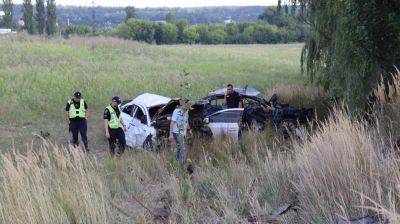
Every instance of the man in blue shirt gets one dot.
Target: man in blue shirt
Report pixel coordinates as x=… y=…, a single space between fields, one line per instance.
x=178 y=128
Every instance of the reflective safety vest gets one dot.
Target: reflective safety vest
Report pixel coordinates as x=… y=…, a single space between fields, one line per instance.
x=114 y=121
x=74 y=112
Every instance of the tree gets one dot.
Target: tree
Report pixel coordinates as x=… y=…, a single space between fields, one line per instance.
x=216 y=35
x=233 y=33
x=190 y=35
x=40 y=16
x=166 y=33
x=181 y=24
x=140 y=30
x=130 y=13
x=202 y=30
x=351 y=45
x=265 y=33
x=247 y=36
x=51 y=22
x=27 y=10
x=8 y=18
x=170 y=18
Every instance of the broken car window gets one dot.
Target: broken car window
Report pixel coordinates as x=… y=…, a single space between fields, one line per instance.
x=232 y=116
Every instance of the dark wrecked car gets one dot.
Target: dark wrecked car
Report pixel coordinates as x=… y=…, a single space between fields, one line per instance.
x=255 y=114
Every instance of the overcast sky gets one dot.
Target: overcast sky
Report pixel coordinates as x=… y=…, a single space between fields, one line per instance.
x=164 y=3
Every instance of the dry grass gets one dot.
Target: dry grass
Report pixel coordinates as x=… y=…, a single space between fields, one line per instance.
x=52 y=186
x=341 y=170
x=303 y=96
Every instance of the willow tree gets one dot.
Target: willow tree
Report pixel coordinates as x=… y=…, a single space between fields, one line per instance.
x=350 y=46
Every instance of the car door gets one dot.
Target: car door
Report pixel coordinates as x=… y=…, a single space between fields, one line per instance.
x=138 y=127
x=225 y=122
x=127 y=118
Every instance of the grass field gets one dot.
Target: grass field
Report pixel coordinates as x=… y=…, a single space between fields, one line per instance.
x=38 y=76
x=343 y=168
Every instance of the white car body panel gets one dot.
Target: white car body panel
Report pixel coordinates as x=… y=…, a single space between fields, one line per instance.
x=228 y=128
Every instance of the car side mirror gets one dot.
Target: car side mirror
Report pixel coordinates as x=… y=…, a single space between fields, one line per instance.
x=206 y=120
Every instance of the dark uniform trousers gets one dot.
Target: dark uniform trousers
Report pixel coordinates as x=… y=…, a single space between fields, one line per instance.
x=79 y=126
x=117 y=134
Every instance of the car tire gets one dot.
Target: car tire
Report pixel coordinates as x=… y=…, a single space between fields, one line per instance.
x=148 y=143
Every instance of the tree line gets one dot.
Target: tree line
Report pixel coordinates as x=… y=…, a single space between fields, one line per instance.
x=40 y=19
x=179 y=31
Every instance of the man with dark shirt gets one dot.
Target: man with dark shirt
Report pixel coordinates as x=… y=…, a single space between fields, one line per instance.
x=232 y=98
x=114 y=126
x=77 y=115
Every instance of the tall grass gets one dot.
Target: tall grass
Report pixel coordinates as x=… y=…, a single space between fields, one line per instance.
x=342 y=170
x=52 y=186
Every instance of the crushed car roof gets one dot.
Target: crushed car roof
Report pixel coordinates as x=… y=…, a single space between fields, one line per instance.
x=246 y=91
x=150 y=100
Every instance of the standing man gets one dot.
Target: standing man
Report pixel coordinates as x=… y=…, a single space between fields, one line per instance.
x=77 y=115
x=232 y=98
x=178 y=128
x=114 y=126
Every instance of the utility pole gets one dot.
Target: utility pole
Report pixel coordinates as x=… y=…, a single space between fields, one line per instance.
x=93 y=15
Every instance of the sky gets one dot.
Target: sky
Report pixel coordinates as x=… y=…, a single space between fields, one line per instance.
x=163 y=3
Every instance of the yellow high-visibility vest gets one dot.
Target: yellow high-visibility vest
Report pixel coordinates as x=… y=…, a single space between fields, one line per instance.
x=114 y=121
x=75 y=112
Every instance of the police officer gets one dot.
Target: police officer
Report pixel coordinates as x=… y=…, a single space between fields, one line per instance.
x=77 y=115
x=114 y=126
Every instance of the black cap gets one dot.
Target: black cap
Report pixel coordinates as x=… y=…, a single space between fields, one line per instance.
x=117 y=99
x=78 y=95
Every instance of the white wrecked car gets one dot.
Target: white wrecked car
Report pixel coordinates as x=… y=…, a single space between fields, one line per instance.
x=148 y=117
x=138 y=115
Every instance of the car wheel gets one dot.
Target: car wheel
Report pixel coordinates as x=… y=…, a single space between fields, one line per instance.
x=148 y=143
x=257 y=126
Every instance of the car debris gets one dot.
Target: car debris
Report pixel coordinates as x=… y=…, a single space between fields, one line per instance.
x=275 y=215
x=372 y=218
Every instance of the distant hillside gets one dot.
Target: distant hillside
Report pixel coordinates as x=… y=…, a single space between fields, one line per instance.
x=112 y=16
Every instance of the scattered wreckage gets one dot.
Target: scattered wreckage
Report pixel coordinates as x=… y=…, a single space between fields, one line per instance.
x=148 y=116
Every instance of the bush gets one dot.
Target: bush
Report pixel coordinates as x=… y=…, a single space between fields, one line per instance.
x=233 y=33
x=182 y=25
x=265 y=33
x=190 y=35
x=80 y=30
x=216 y=35
x=202 y=30
x=166 y=33
x=140 y=30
